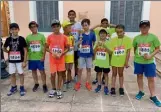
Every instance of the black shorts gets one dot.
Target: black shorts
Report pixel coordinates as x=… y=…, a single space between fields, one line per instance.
x=76 y=56
x=104 y=70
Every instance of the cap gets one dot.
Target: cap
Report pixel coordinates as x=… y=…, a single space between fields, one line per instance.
x=33 y=23
x=144 y=22
x=66 y=23
x=103 y=30
x=14 y=25
x=55 y=22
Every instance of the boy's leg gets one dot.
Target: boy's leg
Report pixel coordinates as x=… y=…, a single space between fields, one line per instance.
x=105 y=73
x=151 y=85
x=121 y=77
x=140 y=81
x=76 y=62
x=114 y=75
x=60 y=79
x=99 y=73
x=53 y=82
x=64 y=78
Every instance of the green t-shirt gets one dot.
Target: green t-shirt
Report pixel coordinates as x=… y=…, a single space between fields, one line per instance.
x=101 y=56
x=119 y=48
x=143 y=45
x=35 y=45
x=109 y=30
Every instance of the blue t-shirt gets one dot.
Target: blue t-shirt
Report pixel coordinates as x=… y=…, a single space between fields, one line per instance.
x=86 y=49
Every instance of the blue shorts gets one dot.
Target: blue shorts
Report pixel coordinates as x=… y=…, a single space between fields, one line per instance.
x=149 y=70
x=36 y=64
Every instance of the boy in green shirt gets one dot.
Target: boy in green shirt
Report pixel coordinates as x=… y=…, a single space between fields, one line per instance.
x=120 y=46
x=146 y=46
x=36 y=55
x=101 y=61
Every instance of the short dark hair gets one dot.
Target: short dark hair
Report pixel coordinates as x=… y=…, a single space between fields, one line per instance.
x=103 y=31
x=14 y=25
x=104 y=19
x=120 y=26
x=72 y=11
x=85 y=21
x=32 y=23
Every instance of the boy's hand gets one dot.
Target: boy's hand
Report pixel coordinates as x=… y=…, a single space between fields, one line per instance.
x=126 y=65
x=24 y=64
x=42 y=59
x=148 y=57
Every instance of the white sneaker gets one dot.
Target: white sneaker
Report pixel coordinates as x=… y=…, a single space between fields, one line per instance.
x=52 y=93
x=59 y=94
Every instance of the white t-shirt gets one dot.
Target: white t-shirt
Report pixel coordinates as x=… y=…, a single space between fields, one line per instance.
x=75 y=28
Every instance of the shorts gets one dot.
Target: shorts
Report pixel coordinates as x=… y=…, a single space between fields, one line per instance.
x=85 y=62
x=104 y=70
x=76 y=56
x=57 y=68
x=36 y=64
x=15 y=66
x=68 y=66
x=149 y=70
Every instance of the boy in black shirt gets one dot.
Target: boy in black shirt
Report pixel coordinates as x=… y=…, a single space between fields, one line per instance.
x=17 y=56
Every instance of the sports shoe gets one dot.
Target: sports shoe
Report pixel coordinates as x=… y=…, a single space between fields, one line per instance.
x=35 y=87
x=98 y=89
x=95 y=82
x=75 y=78
x=45 y=88
x=69 y=85
x=106 y=91
x=121 y=91
x=113 y=92
x=52 y=93
x=59 y=94
x=155 y=100
x=140 y=95
x=12 y=91
x=88 y=86
x=22 y=91
x=65 y=87
x=77 y=86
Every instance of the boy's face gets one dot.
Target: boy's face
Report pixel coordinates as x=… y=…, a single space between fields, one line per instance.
x=56 y=28
x=72 y=16
x=33 y=28
x=144 y=29
x=85 y=26
x=14 y=31
x=104 y=24
x=68 y=29
x=103 y=35
x=120 y=32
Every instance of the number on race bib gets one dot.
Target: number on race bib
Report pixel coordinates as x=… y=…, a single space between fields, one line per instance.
x=35 y=46
x=143 y=49
x=57 y=50
x=14 y=56
x=85 y=49
x=119 y=51
x=101 y=55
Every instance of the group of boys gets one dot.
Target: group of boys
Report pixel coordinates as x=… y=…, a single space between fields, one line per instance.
x=82 y=47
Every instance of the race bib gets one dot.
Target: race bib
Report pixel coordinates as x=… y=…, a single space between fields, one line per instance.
x=56 y=50
x=71 y=51
x=35 y=46
x=143 y=49
x=118 y=51
x=85 y=49
x=14 y=56
x=101 y=55
x=107 y=38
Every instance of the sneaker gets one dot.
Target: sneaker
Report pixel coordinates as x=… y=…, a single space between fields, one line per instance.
x=95 y=82
x=75 y=78
x=98 y=89
x=106 y=91
x=140 y=95
x=88 y=86
x=69 y=85
x=59 y=94
x=121 y=91
x=52 y=93
x=35 y=87
x=155 y=100
x=65 y=87
x=12 y=91
x=77 y=86
x=45 y=88
x=113 y=92
x=22 y=91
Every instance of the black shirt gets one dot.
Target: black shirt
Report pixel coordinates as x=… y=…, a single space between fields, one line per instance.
x=16 y=49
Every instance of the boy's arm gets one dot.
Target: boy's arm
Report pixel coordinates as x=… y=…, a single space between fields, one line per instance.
x=25 y=57
x=47 y=48
x=95 y=27
x=127 y=58
x=157 y=49
x=6 y=44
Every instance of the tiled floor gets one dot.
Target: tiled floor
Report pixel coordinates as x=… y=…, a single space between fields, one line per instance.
x=82 y=100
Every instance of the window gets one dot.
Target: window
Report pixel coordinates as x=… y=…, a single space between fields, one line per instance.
x=128 y=13
x=46 y=12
